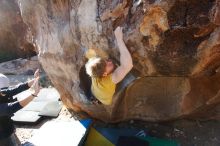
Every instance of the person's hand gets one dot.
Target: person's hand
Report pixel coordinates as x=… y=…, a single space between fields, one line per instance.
x=37 y=73
x=36 y=86
x=118 y=33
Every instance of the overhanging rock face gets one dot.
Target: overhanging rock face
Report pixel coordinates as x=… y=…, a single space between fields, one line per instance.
x=175 y=46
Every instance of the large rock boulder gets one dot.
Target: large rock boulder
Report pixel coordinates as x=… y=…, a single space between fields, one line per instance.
x=13 y=33
x=175 y=46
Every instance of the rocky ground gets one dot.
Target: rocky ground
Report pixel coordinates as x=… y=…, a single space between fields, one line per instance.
x=187 y=132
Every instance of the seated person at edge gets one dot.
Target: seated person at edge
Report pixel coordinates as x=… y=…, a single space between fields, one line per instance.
x=104 y=73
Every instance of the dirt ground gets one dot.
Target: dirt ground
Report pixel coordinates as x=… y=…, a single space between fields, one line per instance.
x=186 y=132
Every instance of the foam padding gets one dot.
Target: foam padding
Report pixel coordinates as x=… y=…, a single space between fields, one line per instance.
x=94 y=138
x=35 y=106
x=48 y=94
x=26 y=116
x=57 y=133
x=51 y=109
x=86 y=123
x=113 y=134
x=45 y=104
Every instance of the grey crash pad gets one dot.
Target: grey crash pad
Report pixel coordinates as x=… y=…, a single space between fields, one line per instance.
x=46 y=104
x=51 y=109
x=57 y=133
x=26 y=116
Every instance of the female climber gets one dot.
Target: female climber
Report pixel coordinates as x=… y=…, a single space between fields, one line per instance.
x=104 y=73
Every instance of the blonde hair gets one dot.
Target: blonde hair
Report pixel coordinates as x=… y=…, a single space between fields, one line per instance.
x=95 y=67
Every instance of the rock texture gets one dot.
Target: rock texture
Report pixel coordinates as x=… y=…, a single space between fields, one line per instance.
x=175 y=46
x=13 y=43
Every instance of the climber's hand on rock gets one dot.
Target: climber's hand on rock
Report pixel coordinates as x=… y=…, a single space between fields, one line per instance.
x=118 y=33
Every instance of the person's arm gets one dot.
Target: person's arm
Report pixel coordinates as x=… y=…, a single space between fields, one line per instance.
x=36 y=88
x=8 y=109
x=8 y=93
x=126 y=63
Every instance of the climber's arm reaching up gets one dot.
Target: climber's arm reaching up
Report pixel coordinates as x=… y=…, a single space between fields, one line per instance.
x=125 y=58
